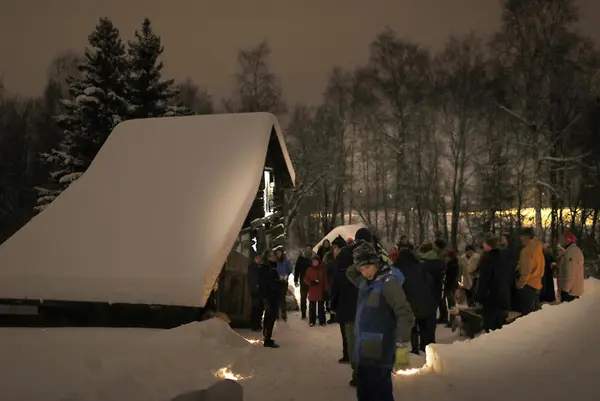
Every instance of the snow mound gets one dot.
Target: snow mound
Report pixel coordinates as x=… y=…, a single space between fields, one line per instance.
x=591 y=288
x=95 y=364
x=212 y=332
x=552 y=353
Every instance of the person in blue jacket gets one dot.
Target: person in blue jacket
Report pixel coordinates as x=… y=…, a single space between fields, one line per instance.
x=383 y=324
x=284 y=269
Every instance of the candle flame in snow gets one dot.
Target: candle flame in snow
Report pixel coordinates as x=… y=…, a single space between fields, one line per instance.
x=226 y=373
x=407 y=372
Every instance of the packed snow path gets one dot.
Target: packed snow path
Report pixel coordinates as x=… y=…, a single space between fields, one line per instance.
x=306 y=367
x=551 y=355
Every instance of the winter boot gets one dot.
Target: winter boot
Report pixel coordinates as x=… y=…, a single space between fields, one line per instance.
x=269 y=343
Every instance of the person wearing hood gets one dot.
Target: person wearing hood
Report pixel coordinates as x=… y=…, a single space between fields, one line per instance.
x=323 y=249
x=284 y=269
x=344 y=297
x=495 y=282
x=417 y=286
x=531 y=271
x=431 y=257
x=383 y=324
x=303 y=262
x=571 y=270
x=316 y=279
x=268 y=283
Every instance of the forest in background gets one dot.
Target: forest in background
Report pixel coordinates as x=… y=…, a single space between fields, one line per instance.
x=488 y=134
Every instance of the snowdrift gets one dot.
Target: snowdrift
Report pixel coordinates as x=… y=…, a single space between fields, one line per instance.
x=345 y=231
x=114 y=364
x=153 y=218
x=552 y=354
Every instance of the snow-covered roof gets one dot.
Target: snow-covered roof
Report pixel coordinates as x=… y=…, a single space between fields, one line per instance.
x=153 y=218
x=344 y=231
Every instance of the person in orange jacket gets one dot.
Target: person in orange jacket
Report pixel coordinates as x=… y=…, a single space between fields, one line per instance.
x=530 y=270
x=316 y=279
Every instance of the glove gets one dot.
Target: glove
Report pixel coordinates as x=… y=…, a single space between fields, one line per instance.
x=402 y=360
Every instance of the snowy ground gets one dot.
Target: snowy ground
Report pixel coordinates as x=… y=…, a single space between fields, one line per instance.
x=550 y=355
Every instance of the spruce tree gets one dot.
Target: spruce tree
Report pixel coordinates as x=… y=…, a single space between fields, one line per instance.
x=148 y=94
x=95 y=106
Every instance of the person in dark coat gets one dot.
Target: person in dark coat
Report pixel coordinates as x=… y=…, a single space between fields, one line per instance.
x=331 y=265
x=451 y=281
x=510 y=249
x=417 y=286
x=344 y=296
x=548 y=294
x=257 y=300
x=302 y=264
x=268 y=283
x=494 y=287
x=431 y=256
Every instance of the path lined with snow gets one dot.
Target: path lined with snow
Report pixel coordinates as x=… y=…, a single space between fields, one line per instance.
x=550 y=355
x=306 y=367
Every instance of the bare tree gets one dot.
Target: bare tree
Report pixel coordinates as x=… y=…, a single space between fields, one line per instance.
x=194 y=98
x=63 y=67
x=535 y=46
x=460 y=72
x=257 y=87
x=399 y=73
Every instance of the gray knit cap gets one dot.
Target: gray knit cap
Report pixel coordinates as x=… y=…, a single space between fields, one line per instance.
x=365 y=254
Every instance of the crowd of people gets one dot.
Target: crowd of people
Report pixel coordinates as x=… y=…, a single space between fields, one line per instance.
x=389 y=304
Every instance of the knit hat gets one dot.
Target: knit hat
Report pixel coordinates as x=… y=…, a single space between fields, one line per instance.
x=339 y=242
x=363 y=234
x=527 y=232
x=364 y=254
x=570 y=237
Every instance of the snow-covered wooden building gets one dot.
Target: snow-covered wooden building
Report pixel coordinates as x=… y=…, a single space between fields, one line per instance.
x=150 y=224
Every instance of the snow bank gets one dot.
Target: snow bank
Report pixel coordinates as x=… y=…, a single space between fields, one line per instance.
x=344 y=231
x=110 y=364
x=552 y=353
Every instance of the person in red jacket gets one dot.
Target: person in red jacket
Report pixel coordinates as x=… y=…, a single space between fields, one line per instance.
x=316 y=279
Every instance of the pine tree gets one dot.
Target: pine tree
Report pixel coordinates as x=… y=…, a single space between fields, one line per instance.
x=95 y=106
x=149 y=95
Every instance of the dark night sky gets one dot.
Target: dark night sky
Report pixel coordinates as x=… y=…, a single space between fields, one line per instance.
x=201 y=37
